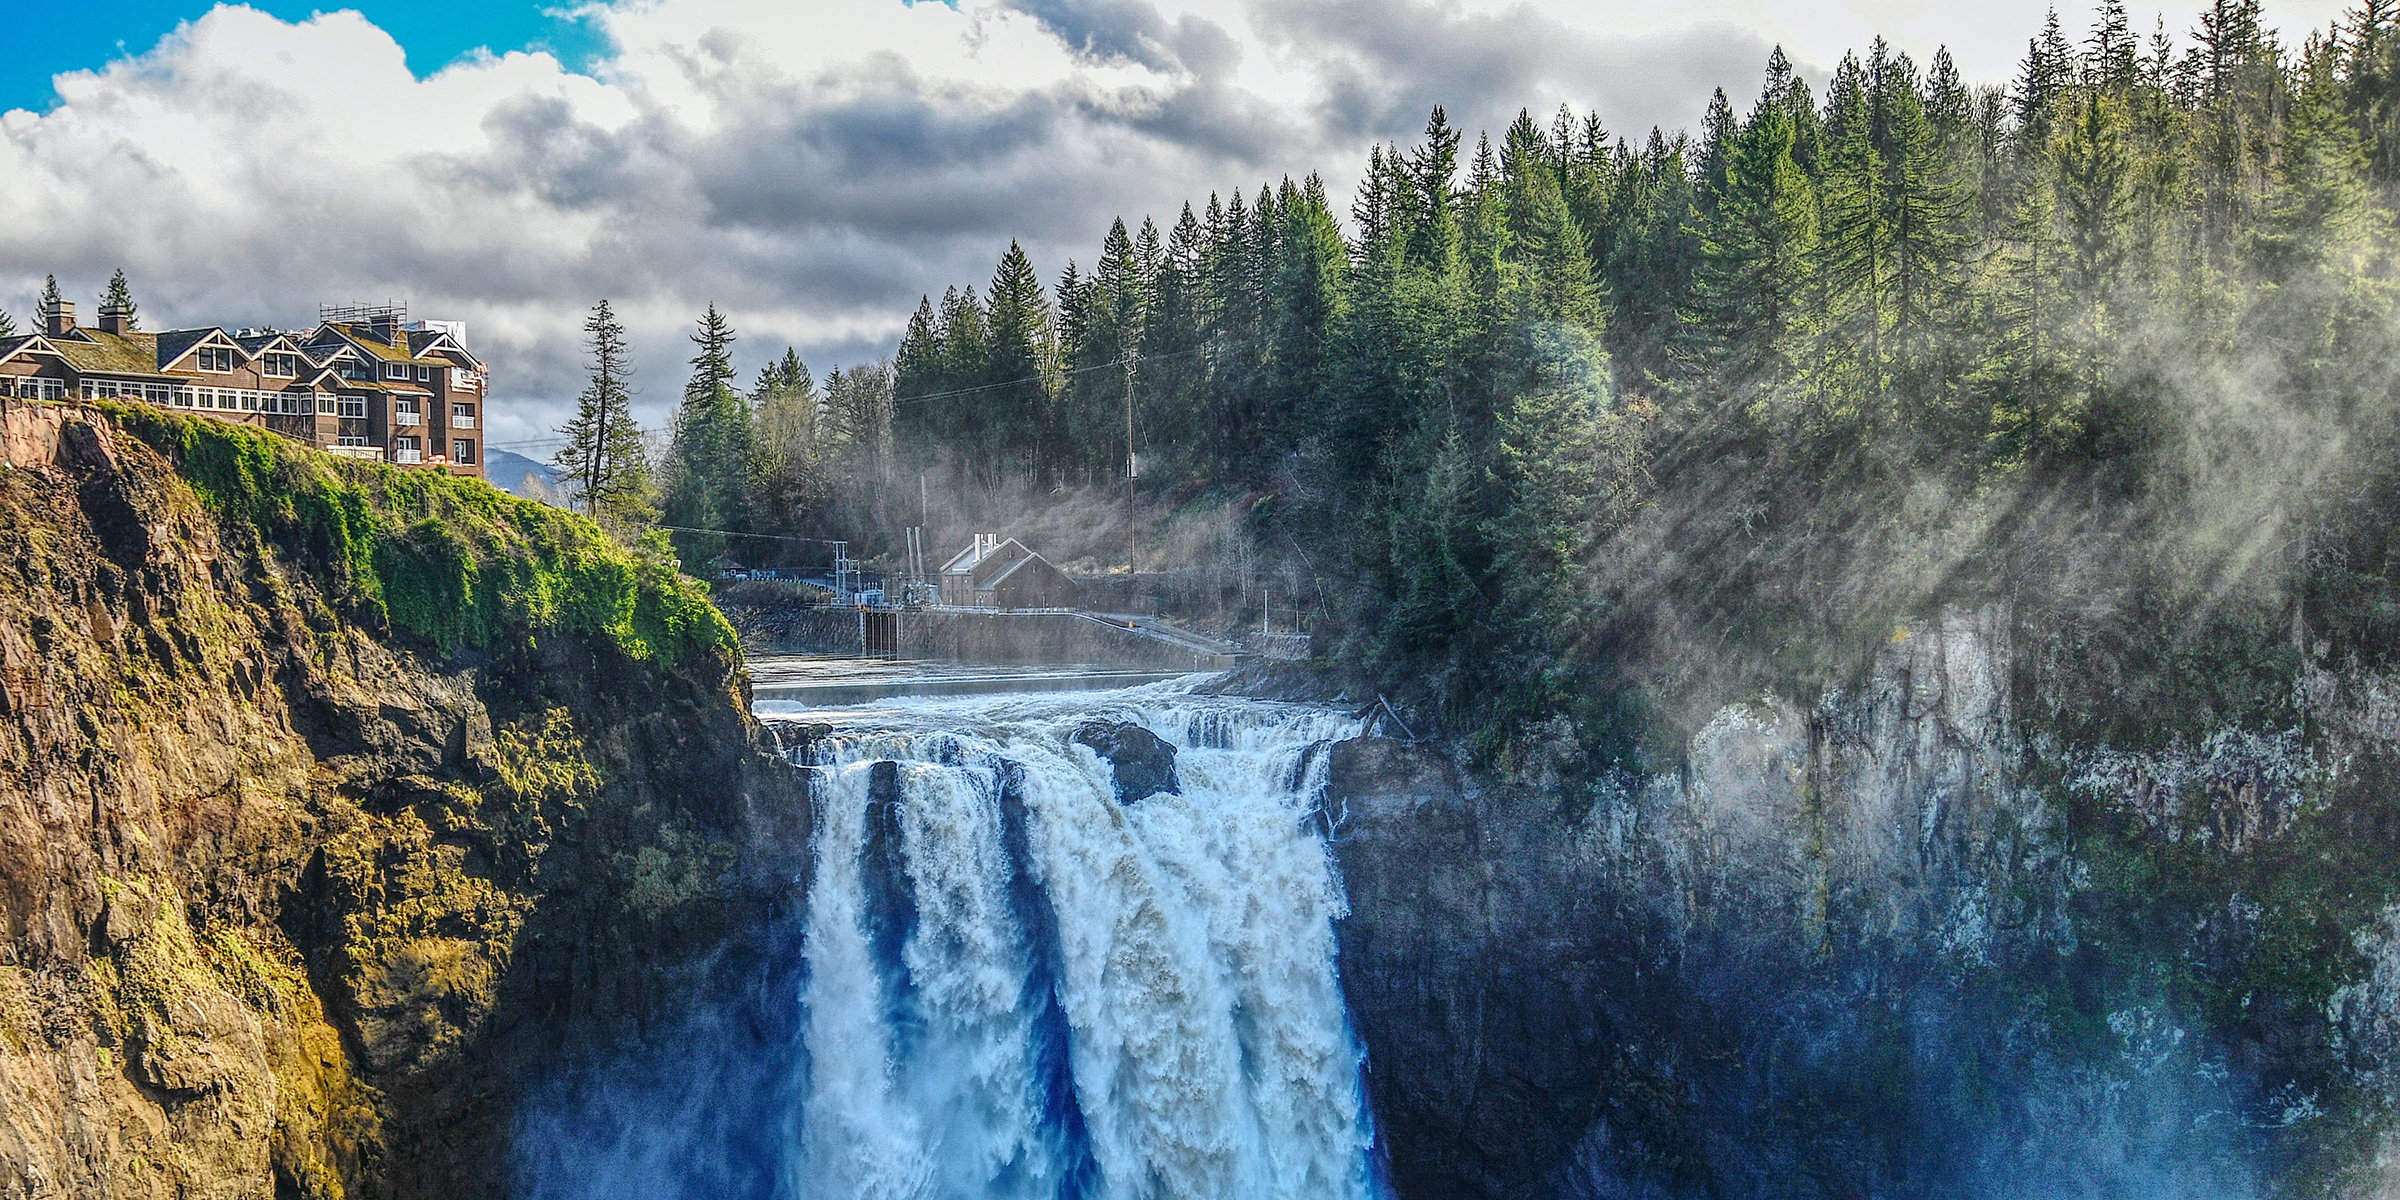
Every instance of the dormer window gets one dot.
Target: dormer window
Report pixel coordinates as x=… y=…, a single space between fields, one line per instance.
x=217 y=359
x=281 y=366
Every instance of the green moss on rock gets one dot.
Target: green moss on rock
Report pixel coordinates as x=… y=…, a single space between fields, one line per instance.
x=450 y=559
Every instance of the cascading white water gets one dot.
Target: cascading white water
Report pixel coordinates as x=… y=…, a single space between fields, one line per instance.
x=1017 y=987
x=1005 y=984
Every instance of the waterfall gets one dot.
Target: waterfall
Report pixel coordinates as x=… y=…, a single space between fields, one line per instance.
x=1010 y=985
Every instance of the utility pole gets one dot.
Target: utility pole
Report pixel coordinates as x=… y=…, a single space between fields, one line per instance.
x=1132 y=468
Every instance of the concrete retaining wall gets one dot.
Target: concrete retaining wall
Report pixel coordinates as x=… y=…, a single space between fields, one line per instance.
x=1044 y=638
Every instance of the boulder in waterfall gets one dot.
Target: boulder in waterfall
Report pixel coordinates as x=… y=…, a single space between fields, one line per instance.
x=1144 y=763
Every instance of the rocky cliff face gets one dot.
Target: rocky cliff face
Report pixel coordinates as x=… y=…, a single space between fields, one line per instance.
x=298 y=901
x=1886 y=945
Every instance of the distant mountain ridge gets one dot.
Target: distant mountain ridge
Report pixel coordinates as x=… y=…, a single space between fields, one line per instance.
x=507 y=471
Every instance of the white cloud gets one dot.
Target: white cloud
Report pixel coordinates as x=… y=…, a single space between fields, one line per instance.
x=810 y=165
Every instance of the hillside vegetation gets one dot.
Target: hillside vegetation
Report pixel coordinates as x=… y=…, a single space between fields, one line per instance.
x=339 y=803
x=1562 y=424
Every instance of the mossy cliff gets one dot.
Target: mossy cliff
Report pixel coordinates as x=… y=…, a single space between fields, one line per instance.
x=336 y=803
x=1903 y=939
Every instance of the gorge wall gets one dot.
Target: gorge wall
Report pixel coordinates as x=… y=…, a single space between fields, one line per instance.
x=1891 y=944
x=309 y=866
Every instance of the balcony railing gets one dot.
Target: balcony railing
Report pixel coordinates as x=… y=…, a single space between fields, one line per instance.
x=408 y=457
x=407 y=416
x=375 y=452
x=462 y=420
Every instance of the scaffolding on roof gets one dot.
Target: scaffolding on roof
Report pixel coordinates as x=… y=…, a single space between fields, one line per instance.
x=353 y=313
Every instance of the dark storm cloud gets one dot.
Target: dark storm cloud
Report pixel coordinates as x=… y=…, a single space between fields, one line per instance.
x=1407 y=55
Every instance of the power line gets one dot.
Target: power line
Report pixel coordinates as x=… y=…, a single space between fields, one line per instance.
x=772 y=537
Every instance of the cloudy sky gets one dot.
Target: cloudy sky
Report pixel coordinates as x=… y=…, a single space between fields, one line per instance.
x=812 y=166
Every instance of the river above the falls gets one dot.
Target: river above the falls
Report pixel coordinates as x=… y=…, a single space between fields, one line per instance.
x=1007 y=982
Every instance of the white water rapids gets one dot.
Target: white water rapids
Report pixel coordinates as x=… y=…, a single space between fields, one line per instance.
x=1010 y=985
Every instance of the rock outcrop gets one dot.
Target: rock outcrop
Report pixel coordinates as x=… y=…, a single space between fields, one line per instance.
x=1883 y=946
x=1142 y=763
x=299 y=901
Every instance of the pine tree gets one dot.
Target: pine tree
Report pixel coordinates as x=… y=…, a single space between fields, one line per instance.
x=2323 y=245
x=965 y=424
x=2040 y=82
x=710 y=456
x=918 y=370
x=2094 y=186
x=118 y=300
x=47 y=309
x=1791 y=92
x=2112 y=59
x=1562 y=471
x=2371 y=81
x=1552 y=282
x=1921 y=213
x=787 y=444
x=1752 y=291
x=8 y=325
x=1018 y=373
x=1854 y=250
x=2030 y=410
x=1428 y=216
x=1311 y=287
x=2240 y=89
x=604 y=466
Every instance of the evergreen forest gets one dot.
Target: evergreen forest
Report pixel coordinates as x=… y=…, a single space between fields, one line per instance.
x=1566 y=432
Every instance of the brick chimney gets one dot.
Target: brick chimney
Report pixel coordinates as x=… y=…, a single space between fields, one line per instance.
x=112 y=320
x=62 y=319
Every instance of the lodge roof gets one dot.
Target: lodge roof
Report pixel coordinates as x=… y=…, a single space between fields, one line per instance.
x=173 y=343
x=99 y=352
x=363 y=337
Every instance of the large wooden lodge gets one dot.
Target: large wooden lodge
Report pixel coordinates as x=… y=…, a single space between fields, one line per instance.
x=366 y=382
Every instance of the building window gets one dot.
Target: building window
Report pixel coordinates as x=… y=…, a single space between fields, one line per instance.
x=462 y=451
x=281 y=366
x=407 y=450
x=216 y=359
x=462 y=416
x=395 y=370
x=424 y=374
x=404 y=412
x=349 y=439
x=351 y=406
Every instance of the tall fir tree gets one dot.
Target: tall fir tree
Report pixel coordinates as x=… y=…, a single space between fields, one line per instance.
x=604 y=466
x=710 y=455
x=118 y=301
x=1019 y=369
